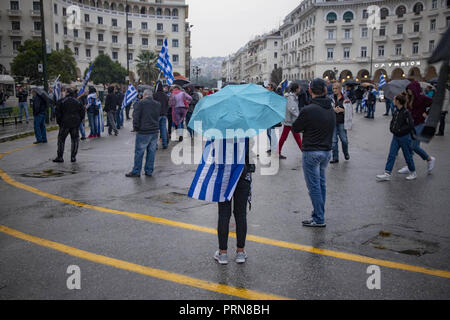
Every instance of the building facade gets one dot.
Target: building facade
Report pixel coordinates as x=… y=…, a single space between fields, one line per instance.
x=89 y=28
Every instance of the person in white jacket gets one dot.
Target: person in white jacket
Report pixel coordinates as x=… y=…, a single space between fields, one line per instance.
x=292 y=113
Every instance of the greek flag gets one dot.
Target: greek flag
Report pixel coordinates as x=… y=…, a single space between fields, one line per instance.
x=217 y=175
x=364 y=104
x=284 y=86
x=129 y=96
x=57 y=89
x=85 y=81
x=382 y=81
x=164 y=63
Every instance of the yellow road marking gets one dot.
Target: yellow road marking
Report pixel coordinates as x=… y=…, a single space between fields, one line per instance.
x=152 y=272
x=262 y=240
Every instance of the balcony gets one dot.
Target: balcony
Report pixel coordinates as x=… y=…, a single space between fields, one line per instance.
x=116 y=29
x=89 y=42
x=131 y=30
x=145 y=47
x=160 y=33
x=35 y=14
x=102 y=44
x=347 y=41
x=14 y=13
x=414 y=35
x=36 y=33
x=397 y=37
x=362 y=59
x=67 y=38
x=145 y=31
x=397 y=57
x=380 y=38
x=330 y=41
x=102 y=27
x=15 y=33
x=77 y=40
x=89 y=25
x=116 y=45
x=131 y=47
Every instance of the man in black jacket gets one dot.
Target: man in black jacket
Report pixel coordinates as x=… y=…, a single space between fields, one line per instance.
x=163 y=99
x=40 y=108
x=22 y=95
x=145 y=122
x=317 y=122
x=110 y=109
x=69 y=114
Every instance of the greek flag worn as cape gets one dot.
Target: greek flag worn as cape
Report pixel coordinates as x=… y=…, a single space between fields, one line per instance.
x=218 y=174
x=93 y=100
x=382 y=81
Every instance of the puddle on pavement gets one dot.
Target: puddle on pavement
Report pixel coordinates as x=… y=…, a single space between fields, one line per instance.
x=392 y=242
x=48 y=174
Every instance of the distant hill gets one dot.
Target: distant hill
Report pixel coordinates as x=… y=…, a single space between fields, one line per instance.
x=210 y=67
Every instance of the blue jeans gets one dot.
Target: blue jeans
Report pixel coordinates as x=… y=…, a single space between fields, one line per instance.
x=416 y=143
x=371 y=111
x=83 y=133
x=145 y=142
x=23 y=106
x=93 y=123
x=359 y=104
x=163 y=130
x=119 y=118
x=389 y=106
x=39 y=128
x=398 y=143
x=314 y=167
x=342 y=133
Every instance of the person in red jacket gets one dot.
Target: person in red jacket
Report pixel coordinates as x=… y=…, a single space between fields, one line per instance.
x=418 y=104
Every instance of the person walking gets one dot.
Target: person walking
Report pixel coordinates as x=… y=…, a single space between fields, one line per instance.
x=292 y=113
x=317 y=121
x=389 y=107
x=339 y=131
x=402 y=124
x=444 y=112
x=22 y=95
x=93 y=113
x=418 y=104
x=69 y=113
x=110 y=109
x=119 y=112
x=39 y=113
x=359 y=94
x=179 y=101
x=146 y=114
x=83 y=101
x=195 y=99
x=161 y=97
x=371 y=102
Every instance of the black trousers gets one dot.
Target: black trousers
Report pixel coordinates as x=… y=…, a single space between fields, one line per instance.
x=74 y=136
x=442 y=122
x=239 y=202
x=127 y=111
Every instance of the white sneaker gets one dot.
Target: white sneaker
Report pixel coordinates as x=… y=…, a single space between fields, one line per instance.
x=404 y=170
x=412 y=176
x=384 y=177
x=431 y=164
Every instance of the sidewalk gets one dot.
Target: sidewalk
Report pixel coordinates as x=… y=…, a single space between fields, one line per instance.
x=11 y=131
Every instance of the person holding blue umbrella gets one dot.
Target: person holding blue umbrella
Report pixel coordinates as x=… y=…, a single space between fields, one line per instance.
x=229 y=118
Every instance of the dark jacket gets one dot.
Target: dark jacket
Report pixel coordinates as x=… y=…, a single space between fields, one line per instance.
x=22 y=95
x=119 y=99
x=146 y=115
x=303 y=99
x=317 y=122
x=111 y=102
x=420 y=104
x=402 y=123
x=359 y=93
x=163 y=99
x=340 y=117
x=39 y=105
x=69 y=113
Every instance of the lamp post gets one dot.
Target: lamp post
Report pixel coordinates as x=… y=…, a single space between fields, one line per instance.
x=196 y=70
x=128 y=60
x=371 y=53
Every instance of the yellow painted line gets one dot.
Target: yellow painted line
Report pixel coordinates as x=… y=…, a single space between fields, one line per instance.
x=152 y=272
x=257 y=239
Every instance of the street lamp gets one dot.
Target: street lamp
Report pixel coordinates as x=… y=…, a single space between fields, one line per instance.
x=196 y=70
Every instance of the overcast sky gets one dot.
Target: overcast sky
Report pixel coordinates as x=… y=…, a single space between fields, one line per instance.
x=221 y=27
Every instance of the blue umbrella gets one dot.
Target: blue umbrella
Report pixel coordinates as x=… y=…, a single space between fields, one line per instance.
x=248 y=107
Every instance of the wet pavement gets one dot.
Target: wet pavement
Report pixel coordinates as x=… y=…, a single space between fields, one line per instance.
x=150 y=222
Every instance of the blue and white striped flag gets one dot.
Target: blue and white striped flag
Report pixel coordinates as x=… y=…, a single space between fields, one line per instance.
x=364 y=103
x=284 y=86
x=218 y=174
x=85 y=81
x=164 y=63
x=382 y=81
x=57 y=89
x=129 y=96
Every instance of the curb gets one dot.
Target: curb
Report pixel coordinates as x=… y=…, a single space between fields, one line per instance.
x=24 y=134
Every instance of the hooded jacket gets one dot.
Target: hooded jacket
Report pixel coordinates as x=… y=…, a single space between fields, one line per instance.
x=291 y=109
x=420 y=103
x=317 y=122
x=402 y=123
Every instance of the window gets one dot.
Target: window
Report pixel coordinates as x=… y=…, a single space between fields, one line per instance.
x=381 y=51
x=130 y=56
x=64 y=12
x=87 y=35
x=57 y=46
x=175 y=28
x=114 y=39
x=56 y=28
x=130 y=24
x=346 y=53
x=88 y=53
x=130 y=40
x=114 y=22
x=175 y=58
x=101 y=52
x=75 y=33
x=364 y=32
x=433 y=25
x=99 y=20
x=86 y=18
x=382 y=31
x=398 y=49
x=159 y=27
x=36 y=6
x=144 y=25
x=275 y=45
x=399 y=28
x=365 y=14
x=331 y=17
x=415 y=48
x=447 y=22
x=364 y=52
x=55 y=9
x=434 y=4
x=76 y=50
x=416 y=27
x=330 y=53
x=100 y=37
x=65 y=31
x=275 y=55
x=384 y=13
x=16 y=45
x=14 y=5
x=431 y=46
x=145 y=41
x=418 y=8
x=175 y=43
x=401 y=10
x=159 y=42
x=330 y=34
x=347 y=34
x=115 y=55
x=15 y=25
x=348 y=16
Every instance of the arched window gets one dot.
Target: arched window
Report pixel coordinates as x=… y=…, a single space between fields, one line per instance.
x=120 y=7
x=143 y=10
x=92 y=3
x=348 y=16
x=159 y=12
x=151 y=11
x=331 y=17
x=136 y=9
x=106 y=5
x=418 y=8
x=384 y=13
x=167 y=12
x=175 y=12
x=401 y=10
x=113 y=6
